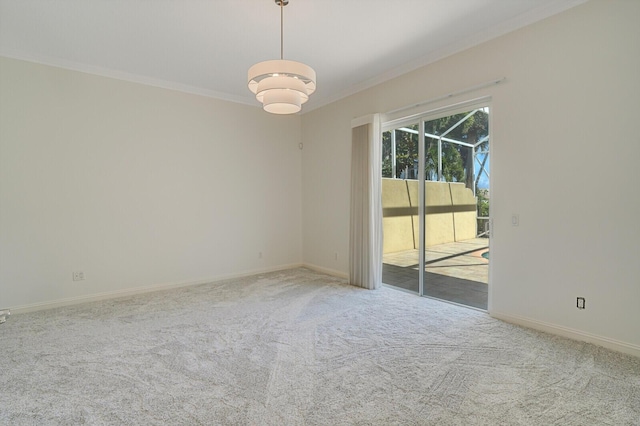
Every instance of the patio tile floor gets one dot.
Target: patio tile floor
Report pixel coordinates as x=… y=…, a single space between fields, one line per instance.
x=454 y=271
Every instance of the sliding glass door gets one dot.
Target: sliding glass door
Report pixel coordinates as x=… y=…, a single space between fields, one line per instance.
x=435 y=196
x=400 y=200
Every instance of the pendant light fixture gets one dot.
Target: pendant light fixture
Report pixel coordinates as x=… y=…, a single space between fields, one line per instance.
x=282 y=86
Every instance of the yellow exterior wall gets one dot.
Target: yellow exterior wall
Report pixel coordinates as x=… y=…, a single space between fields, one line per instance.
x=450 y=214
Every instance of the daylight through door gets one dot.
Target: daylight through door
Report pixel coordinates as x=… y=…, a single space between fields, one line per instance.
x=436 y=198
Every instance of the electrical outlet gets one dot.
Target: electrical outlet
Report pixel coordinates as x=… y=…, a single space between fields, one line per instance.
x=259 y=255
x=335 y=256
x=580 y=303
x=78 y=276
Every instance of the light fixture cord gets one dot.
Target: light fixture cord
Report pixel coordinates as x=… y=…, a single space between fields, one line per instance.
x=281 y=29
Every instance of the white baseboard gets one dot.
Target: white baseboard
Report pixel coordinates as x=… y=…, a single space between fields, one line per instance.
x=606 y=342
x=140 y=290
x=327 y=271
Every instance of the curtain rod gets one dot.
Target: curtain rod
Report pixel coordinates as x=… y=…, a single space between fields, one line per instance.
x=450 y=95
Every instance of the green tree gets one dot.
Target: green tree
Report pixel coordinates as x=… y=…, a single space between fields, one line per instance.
x=457 y=160
x=406 y=153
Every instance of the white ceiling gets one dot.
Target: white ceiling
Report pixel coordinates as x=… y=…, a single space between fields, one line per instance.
x=207 y=46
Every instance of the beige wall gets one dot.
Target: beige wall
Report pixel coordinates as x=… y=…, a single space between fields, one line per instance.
x=137 y=186
x=450 y=214
x=565 y=152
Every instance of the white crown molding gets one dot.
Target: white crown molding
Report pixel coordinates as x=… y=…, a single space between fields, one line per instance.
x=123 y=76
x=473 y=40
x=518 y=22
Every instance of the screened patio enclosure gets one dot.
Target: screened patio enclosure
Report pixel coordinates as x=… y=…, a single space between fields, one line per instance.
x=435 y=197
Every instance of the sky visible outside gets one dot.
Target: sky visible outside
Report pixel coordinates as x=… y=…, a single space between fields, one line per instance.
x=483 y=183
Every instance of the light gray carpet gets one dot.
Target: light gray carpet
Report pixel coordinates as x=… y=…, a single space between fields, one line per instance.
x=301 y=348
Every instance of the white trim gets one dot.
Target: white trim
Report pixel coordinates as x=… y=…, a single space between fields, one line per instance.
x=140 y=290
x=124 y=76
x=473 y=40
x=332 y=272
x=361 y=121
x=492 y=151
x=570 y=333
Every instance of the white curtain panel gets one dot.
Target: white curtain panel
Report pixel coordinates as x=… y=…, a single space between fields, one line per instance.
x=365 y=242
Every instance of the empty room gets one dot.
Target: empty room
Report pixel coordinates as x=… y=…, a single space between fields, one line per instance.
x=298 y=212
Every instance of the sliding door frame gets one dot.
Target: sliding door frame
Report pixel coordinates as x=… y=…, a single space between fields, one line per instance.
x=421 y=206
x=421 y=118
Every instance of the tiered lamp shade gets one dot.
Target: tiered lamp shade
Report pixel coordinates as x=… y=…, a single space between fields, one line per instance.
x=282 y=86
